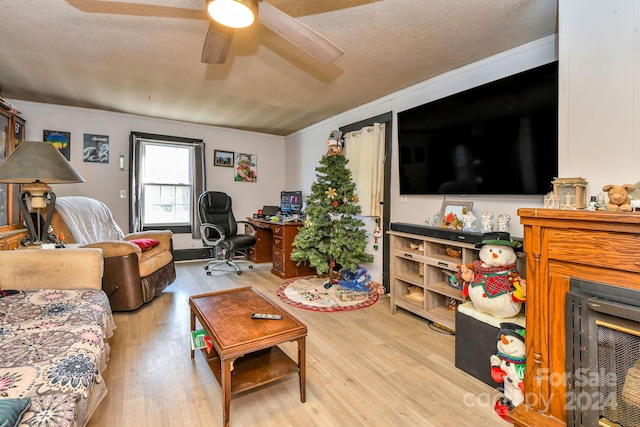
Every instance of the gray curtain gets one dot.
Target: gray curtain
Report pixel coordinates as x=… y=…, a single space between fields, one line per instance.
x=198 y=189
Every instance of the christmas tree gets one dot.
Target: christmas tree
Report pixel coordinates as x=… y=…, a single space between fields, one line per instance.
x=331 y=233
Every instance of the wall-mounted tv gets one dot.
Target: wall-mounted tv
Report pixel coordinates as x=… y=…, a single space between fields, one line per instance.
x=498 y=138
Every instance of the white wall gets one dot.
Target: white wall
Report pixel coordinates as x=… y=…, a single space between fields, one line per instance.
x=600 y=92
x=305 y=148
x=599 y=106
x=104 y=181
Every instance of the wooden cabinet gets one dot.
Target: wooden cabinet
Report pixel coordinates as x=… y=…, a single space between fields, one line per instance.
x=11 y=134
x=420 y=268
x=602 y=247
x=11 y=239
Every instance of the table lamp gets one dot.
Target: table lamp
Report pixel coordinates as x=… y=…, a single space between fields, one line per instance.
x=34 y=164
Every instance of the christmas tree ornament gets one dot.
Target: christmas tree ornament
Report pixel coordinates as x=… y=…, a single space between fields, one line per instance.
x=377 y=233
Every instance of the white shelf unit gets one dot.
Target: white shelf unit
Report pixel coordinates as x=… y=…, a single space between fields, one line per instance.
x=423 y=268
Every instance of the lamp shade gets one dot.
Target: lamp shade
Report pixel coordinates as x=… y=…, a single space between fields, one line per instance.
x=37 y=161
x=233 y=13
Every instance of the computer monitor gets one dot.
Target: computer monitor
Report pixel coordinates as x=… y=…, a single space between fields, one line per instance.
x=291 y=202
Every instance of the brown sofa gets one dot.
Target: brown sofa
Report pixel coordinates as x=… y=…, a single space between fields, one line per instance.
x=131 y=277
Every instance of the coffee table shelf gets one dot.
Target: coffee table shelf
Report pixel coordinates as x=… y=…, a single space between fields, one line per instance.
x=254 y=369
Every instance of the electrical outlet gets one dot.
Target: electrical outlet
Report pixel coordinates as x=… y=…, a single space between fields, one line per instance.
x=123 y=194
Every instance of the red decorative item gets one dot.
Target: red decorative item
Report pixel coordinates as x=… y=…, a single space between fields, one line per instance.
x=145 y=244
x=335 y=203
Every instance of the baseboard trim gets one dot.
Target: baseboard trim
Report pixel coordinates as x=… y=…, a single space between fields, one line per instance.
x=191 y=254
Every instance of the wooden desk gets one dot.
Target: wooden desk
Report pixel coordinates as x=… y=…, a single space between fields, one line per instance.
x=274 y=243
x=251 y=344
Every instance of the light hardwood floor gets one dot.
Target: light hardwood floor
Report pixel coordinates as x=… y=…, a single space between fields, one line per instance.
x=366 y=367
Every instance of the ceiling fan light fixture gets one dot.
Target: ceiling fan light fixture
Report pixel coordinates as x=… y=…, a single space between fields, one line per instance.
x=233 y=13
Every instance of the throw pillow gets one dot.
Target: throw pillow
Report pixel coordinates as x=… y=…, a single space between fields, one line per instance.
x=145 y=244
x=12 y=410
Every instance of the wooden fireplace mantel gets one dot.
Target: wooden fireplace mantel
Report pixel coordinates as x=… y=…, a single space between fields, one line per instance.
x=598 y=246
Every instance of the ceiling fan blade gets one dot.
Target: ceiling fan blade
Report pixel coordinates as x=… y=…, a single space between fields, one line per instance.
x=136 y=9
x=298 y=34
x=216 y=44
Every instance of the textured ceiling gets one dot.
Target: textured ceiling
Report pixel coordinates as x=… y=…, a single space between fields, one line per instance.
x=54 y=53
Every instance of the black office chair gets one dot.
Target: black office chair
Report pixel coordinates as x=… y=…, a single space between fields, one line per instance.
x=219 y=230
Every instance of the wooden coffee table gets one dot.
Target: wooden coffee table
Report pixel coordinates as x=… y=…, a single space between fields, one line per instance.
x=245 y=351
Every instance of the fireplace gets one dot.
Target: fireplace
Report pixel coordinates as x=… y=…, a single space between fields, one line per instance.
x=603 y=355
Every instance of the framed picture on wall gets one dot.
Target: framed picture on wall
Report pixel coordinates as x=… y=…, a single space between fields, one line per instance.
x=96 y=148
x=60 y=140
x=223 y=158
x=246 y=167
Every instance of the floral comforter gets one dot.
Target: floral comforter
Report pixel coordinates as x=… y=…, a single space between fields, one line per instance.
x=53 y=348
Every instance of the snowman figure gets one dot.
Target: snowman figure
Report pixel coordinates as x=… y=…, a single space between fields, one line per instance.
x=493 y=283
x=508 y=367
x=469 y=222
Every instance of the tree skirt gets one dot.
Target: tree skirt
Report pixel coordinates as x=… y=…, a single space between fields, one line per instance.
x=309 y=293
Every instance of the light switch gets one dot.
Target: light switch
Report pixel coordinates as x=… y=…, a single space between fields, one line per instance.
x=123 y=194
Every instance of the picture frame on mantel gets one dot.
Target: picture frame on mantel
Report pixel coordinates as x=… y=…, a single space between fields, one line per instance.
x=452 y=212
x=223 y=158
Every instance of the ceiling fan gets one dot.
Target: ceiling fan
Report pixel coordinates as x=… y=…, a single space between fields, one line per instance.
x=220 y=35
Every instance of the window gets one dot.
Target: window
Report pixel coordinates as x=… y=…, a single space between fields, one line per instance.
x=167 y=181
x=167 y=176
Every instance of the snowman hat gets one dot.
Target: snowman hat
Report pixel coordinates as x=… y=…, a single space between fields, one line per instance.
x=513 y=330
x=501 y=238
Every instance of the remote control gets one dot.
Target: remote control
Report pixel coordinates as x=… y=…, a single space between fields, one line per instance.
x=266 y=316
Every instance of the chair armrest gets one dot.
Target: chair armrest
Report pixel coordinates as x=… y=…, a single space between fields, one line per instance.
x=76 y=268
x=113 y=248
x=162 y=236
x=208 y=226
x=249 y=224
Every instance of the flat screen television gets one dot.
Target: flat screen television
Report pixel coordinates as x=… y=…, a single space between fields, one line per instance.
x=291 y=202
x=498 y=138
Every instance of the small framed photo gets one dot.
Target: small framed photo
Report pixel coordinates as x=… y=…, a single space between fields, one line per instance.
x=452 y=212
x=223 y=158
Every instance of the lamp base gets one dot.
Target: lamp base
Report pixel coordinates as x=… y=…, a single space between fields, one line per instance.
x=41 y=234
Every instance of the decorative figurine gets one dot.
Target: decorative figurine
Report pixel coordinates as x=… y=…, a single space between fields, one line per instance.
x=433 y=221
x=503 y=222
x=508 y=367
x=570 y=192
x=493 y=283
x=487 y=222
x=551 y=201
x=469 y=222
x=334 y=143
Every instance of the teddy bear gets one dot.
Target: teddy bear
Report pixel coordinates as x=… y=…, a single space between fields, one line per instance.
x=619 y=197
x=492 y=283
